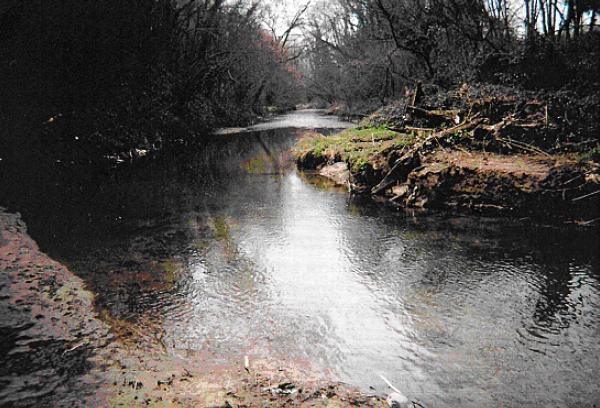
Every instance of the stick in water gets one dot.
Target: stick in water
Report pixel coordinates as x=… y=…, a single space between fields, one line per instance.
x=390 y=384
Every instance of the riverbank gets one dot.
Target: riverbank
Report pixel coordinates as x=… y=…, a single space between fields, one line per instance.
x=192 y=274
x=50 y=333
x=59 y=350
x=486 y=154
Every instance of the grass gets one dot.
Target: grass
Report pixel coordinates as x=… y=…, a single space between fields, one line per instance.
x=355 y=146
x=591 y=155
x=368 y=134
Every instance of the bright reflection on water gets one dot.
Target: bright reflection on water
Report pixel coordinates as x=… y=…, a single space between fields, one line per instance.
x=235 y=253
x=306 y=119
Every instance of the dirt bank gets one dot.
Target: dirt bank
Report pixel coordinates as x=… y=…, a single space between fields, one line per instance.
x=58 y=351
x=473 y=166
x=49 y=331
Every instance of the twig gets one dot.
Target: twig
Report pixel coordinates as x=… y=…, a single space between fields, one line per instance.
x=418 y=129
x=390 y=384
x=572 y=180
x=74 y=348
x=525 y=146
x=586 y=196
x=466 y=125
x=586 y=223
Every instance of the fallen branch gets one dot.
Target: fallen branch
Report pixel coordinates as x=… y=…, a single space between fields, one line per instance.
x=586 y=196
x=74 y=348
x=495 y=131
x=417 y=129
x=469 y=124
x=390 y=384
x=409 y=161
x=403 y=166
x=524 y=146
x=437 y=117
x=588 y=223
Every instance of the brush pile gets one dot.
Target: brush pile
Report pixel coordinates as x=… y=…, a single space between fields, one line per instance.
x=499 y=119
x=472 y=148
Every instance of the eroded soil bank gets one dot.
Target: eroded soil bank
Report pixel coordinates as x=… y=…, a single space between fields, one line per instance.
x=50 y=333
x=57 y=350
x=491 y=154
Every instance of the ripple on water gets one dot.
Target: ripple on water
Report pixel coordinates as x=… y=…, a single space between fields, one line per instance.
x=233 y=259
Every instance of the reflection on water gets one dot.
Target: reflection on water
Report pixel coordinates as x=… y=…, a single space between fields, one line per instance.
x=231 y=251
x=305 y=119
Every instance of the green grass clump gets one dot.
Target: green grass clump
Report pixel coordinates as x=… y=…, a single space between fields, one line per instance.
x=592 y=155
x=355 y=146
x=369 y=134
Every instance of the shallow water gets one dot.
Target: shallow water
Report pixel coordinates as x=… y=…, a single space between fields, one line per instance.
x=305 y=119
x=232 y=252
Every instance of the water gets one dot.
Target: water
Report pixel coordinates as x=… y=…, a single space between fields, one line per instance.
x=230 y=251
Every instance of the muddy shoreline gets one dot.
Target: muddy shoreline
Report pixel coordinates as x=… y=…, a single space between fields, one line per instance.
x=518 y=186
x=184 y=294
x=430 y=159
x=50 y=332
x=58 y=350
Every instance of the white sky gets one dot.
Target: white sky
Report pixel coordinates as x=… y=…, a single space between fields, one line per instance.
x=285 y=10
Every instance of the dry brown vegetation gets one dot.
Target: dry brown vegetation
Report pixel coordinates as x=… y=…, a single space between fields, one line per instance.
x=487 y=153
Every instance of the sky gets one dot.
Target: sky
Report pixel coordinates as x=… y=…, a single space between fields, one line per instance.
x=285 y=10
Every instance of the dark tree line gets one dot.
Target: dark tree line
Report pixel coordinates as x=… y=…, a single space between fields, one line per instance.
x=371 y=50
x=117 y=75
x=131 y=74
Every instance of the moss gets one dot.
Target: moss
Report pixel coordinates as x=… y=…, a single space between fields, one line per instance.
x=405 y=140
x=359 y=159
x=368 y=134
x=592 y=155
x=320 y=145
x=355 y=146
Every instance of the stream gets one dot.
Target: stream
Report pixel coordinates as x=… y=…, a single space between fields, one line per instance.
x=230 y=251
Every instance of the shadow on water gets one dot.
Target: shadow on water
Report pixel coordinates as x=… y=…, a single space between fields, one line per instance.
x=229 y=250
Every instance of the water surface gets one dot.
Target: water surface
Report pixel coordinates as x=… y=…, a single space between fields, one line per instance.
x=232 y=252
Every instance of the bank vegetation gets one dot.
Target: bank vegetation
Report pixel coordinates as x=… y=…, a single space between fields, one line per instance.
x=84 y=78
